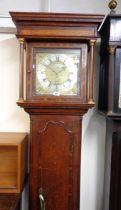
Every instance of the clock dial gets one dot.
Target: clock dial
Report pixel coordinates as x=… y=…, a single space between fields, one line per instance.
x=57 y=73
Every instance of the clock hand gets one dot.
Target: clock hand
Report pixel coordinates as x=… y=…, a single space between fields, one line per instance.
x=54 y=70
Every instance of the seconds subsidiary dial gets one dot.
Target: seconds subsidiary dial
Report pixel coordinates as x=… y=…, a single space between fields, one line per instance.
x=57 y=73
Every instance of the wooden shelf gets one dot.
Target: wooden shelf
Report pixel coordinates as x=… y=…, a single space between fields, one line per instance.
x=13 y=161
x=8 y=180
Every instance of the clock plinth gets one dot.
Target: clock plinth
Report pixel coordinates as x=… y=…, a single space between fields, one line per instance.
x=56 y=92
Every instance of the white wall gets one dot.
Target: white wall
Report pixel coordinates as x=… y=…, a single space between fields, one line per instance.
x=79 y=6
x=19 y=5
x=13 y=118
x=93 y=152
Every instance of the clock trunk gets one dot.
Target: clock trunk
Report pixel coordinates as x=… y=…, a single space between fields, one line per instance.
x=55 y=168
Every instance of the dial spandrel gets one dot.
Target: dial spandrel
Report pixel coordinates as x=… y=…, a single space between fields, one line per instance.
x=57 y=73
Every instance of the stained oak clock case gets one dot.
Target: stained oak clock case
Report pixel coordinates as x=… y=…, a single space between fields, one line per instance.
x=56 y=89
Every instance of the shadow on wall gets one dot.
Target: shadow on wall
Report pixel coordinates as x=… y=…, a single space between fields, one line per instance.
x=93 y=158
x=93 y=150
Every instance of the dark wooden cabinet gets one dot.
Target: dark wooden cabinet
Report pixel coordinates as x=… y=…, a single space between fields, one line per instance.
x=115 y=181
x=110 y=104
x=110 y=66
x=56 y=89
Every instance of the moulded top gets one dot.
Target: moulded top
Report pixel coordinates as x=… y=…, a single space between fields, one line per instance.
x=65 y=26
x=56 y=17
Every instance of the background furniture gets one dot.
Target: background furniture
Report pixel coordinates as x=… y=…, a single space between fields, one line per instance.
x=13 y=161
x=110 y=103
x=13 y=169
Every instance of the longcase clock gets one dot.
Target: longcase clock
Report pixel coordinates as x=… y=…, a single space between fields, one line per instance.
x=110 y=103
x=56 y=89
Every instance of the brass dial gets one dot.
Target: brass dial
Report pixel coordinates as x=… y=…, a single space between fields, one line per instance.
x=57 y=73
